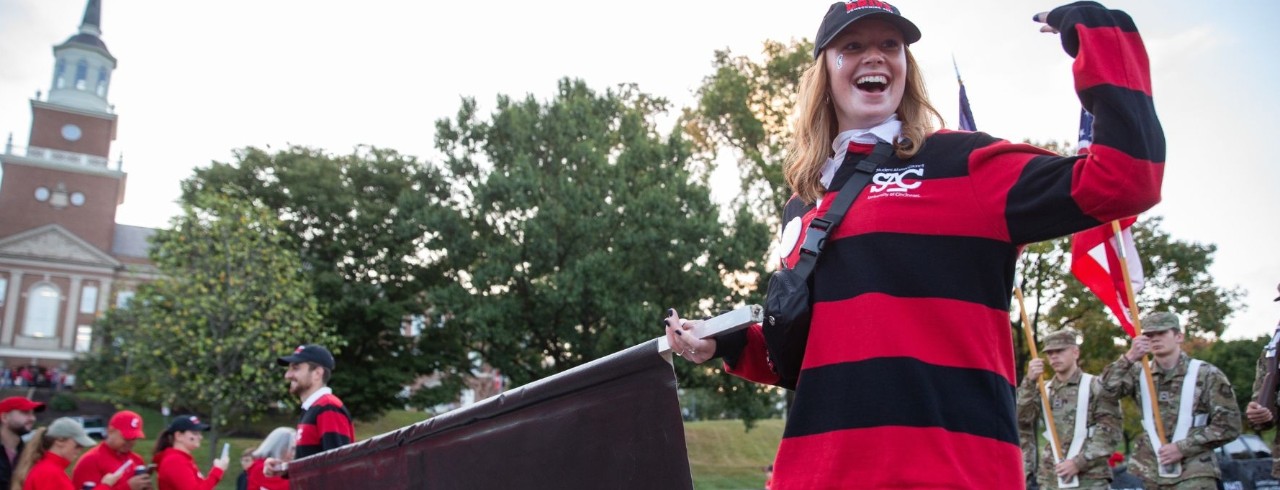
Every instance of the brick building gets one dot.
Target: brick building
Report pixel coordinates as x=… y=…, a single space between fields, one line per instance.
x=63 y=258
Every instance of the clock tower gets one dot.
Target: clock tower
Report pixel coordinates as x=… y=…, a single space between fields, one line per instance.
x=64 y=175
x=63 y=258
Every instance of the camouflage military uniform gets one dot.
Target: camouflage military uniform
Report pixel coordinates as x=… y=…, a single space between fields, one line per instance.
x=1216 y=421
x=1027 y=442
x=1103 y=428
x=1259 y=374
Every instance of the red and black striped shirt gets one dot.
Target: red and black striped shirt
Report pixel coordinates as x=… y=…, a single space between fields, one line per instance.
x=908 y=377
x=325 y=425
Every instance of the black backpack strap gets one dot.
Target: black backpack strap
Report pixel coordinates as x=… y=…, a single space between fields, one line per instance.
x=816 y=235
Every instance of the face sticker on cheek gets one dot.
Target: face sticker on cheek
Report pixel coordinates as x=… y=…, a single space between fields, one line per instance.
x=840 y=61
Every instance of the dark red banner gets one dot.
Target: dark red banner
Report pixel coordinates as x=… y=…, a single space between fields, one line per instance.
x=612 y=423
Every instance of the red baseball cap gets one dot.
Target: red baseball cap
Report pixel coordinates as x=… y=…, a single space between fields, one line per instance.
x=20 y=403
x=128 y=423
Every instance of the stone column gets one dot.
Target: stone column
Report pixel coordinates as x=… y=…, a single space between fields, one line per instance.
x=11 y=307
x=73 y=311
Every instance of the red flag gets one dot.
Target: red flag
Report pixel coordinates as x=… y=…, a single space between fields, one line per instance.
x=1095 y=261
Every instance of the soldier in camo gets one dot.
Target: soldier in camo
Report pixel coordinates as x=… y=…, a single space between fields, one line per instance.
x=1101 y=425
x=1214 y=418
x=1261 y=417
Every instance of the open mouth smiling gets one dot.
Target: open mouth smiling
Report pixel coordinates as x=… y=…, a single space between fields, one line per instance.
x=872 y=83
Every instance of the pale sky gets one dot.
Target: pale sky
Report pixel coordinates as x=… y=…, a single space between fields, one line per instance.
x=196 y=80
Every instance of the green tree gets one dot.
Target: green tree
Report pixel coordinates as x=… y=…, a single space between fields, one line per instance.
x=744 y=107
x=578 y=225
x=357 y=222
x=1177 y=280
x=230 y=298
x=1238 y=360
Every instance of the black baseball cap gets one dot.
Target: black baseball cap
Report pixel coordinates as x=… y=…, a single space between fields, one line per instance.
x=309 y=353
x=185 y=423
x=841 y=14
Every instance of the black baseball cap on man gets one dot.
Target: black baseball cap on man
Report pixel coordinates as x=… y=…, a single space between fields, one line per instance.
x=309 y=353
x=841 y=14
x=187 y=423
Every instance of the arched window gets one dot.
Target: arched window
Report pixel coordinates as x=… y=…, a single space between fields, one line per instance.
x=103 y=75
x=42 y=311
x=82 y=74
x=58 y=70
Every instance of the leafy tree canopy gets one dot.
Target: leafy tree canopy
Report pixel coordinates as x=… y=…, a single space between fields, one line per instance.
x=229 y=299
x=578 y=224
x=358 y=224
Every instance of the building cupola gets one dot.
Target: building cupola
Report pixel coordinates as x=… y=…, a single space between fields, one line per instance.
x=83 y=66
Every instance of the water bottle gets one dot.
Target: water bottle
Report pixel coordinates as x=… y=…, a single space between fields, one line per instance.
x=88 y=485
x=140 y=470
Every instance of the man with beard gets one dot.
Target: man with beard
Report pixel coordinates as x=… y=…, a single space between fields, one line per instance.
x=325 y=422
x=112 y=463
x=17 y=417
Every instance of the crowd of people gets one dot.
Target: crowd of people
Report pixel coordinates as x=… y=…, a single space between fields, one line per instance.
x=912 y=290
x=36 y=376
x=39 y=458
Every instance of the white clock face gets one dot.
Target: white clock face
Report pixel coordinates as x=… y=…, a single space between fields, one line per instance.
x=77 y=199
x=42 y=194
x=71 y=132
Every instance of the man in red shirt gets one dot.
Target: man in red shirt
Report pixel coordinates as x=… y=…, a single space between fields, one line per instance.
x=115 y=456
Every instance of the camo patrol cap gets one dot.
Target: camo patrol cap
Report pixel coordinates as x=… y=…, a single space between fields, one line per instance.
x=1061 y=339
x=1160 y=321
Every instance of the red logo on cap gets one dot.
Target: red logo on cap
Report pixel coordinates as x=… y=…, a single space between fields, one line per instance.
x=299 y=349
x=195 y=420
x=851 y=5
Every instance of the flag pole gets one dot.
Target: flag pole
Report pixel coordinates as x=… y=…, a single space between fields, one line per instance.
x=1137 y=327
x=1044 y=393
x=957 y=68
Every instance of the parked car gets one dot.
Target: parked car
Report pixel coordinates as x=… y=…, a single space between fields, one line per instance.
x=93 y=425
x=1247 y=446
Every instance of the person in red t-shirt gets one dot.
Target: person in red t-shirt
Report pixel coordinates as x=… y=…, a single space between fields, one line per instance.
x=279 y=445
x=112 y=463
x=177 y=468
x=43 y=464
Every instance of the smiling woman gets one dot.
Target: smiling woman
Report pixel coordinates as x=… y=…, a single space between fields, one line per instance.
x=910 y=295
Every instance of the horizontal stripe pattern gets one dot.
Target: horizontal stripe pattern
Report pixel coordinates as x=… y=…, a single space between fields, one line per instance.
x=901 y=391
x=896 y=457
x=976 y=270
x=324 y=426
x=1040 y=205
x=908 y=378
x=877 y=325
x=1126 y=120
x=1096 y=65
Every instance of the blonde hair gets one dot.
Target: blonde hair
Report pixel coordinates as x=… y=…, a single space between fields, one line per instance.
x=816 y=127
x=32 y=453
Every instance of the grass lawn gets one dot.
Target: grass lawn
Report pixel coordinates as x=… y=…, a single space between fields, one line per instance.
x=724 y=456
